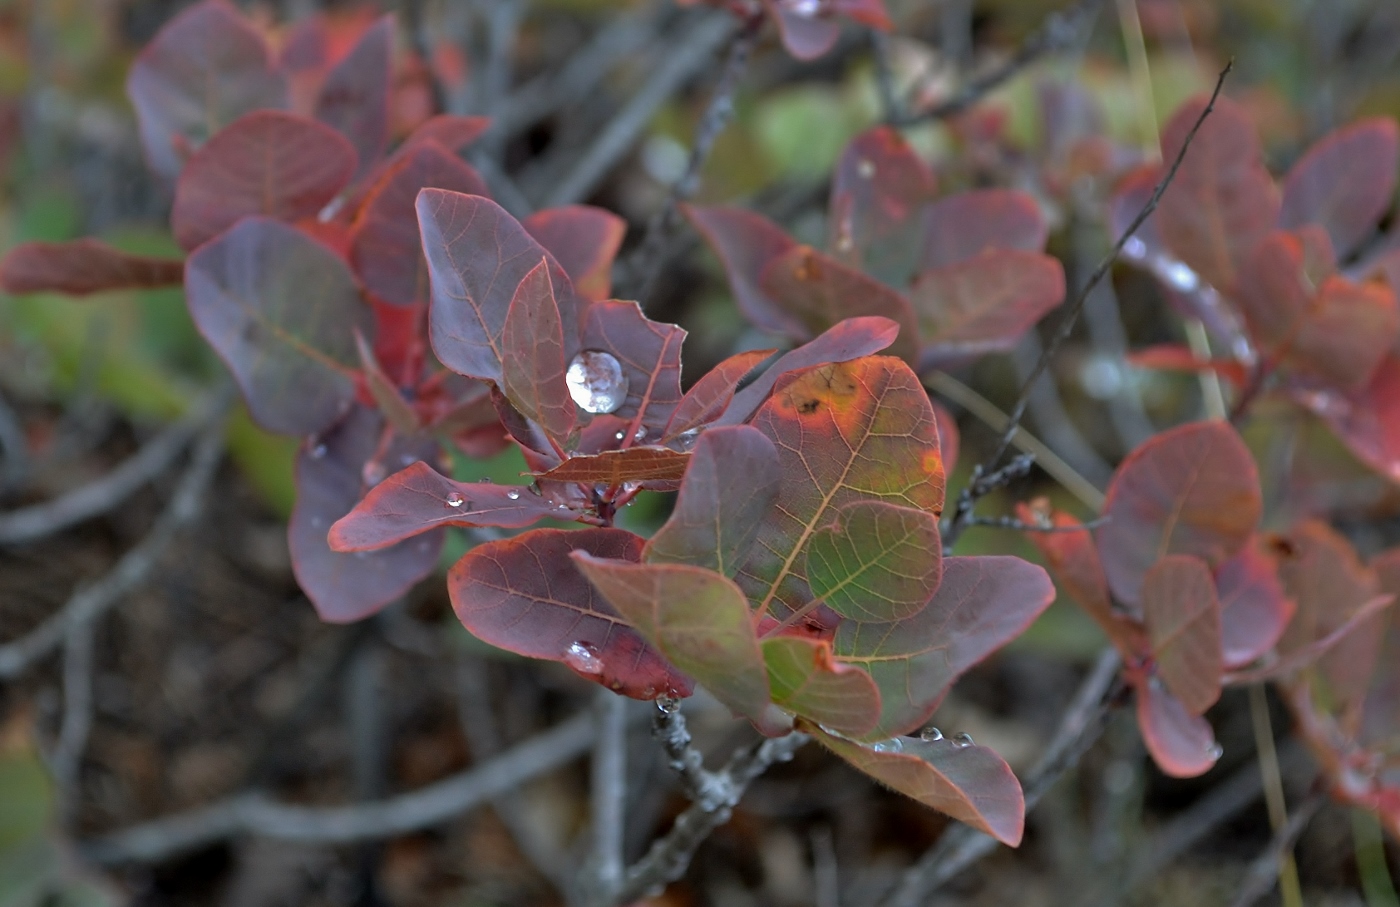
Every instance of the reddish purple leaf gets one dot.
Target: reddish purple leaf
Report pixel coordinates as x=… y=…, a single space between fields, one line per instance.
x=477 y=255
x=871 y=13
x=527 y=596
x=584 y=240
x=267 y=163
x=1192 y=489
x=1182 y=744
x=535 y=355
x=970 y=783
x=206 y=68
x=982 y=604
x=83 y=266
x=1182 y=616
x=385 y=248
x=354 y=98
x=1367 y=421
x=805 y=679
x=614 y=467
x=1254 y=611
x=419 y=499
x=1223 y=201
x=731 y=483
x=851 y=339
x=650 y=355
x=962 y=226
x=1344 y=182
x=984 y=304
x=877 y=193
x=281 y=310
x=746 y=244
x=948 y=437
x=1299 y=659
x=706 y=400
x=699 y=621
x=331 y=475
x=820 y=293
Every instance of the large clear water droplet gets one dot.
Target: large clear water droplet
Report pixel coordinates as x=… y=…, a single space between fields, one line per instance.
x=455 y=499
x=583 y=658
x=930 y=735
x=962 y=740
x=513 y=495
x=596 y=382
x=892 y=745
x=373 y=473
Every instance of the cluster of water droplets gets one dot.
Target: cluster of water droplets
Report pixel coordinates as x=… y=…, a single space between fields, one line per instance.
x=596 y=382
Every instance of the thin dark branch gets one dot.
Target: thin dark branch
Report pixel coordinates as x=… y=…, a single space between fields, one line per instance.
x=1264 y=871
x=90 y=602
x=256 y=814
x=960 y=846
x=619 y=135
x=96 y=498
x=979 y=487
x=669 y=856
x=1060 y=30
x=1010 y=522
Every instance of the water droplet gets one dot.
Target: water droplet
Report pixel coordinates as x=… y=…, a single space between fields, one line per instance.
x=865 y=167
x=630 y=487
x=962 y=739
x=373 y=473
x=563 y=506
x=619 y=436
x=534 y=489
x=1101 y=377
x=1179 y=276
x=667 y=704
x=1134 y=247
x=513 y=495
x=892 y=745
x=485 y=480
x=1215 y=751
x=596 y=382
x=686 y=439
x=318 y=451
x=583 y=658
x=930 y=734
x=639 y=435
x=455 y=499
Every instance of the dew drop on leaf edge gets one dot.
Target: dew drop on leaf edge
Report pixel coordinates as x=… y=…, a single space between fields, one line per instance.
x=583 y=658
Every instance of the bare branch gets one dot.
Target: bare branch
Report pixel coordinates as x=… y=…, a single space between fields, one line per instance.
x=256 y=814
x=67 y=760
x=16 y=462
x=155 y=456
x=978 y=488
x=603 y=873
x=90 y=602
x=705 y=788
x=616 y=139
x=1010 y=522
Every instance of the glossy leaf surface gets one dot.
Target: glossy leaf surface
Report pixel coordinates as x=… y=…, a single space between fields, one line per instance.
x=970 y=783
x=267 y=163
x=83 y=266
x=526 y=595
x=1254 y=610
x=730 y=484
x=281 y=310
x=330 y=480
x=1192 y=489
x=876 y=562
x=650 y=355
x=1182 y=615
x=615 y=467
x=804 y=678
x=584 y=240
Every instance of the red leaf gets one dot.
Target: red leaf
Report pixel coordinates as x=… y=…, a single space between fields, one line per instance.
x=396 y=410
x=984 y=304
x=281 y=310
x=877 y=192
x=805 y=679
x=1182 y=616
x=746 y=244
x=1192 y=489
x=1073 y=560
x=851 y=339
x=962 y=226
x=1368 y=420
x=386 y=249
x=536 y=355
x=1183 y=745
x=1173 y=357
x=83 y=266
x=982 y=604
x=708 y=397
x=527 y=596
x=699 y=620
x=268 y=162
x=730 y=484
x=820 y=292
x=448 y=130
x=206 y=68
x=1254 y=611
x=477 y=255
x=420 y=499
x=805 y=35
x=354 y=98
x=330 y=479
x=614 y=467
x=970 y=783
x=1344 y=182
x=650 y=355
x=584 y=240
x=1223 y=201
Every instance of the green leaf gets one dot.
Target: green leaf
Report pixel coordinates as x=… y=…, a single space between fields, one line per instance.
x=804 y=678
x=877 y=562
